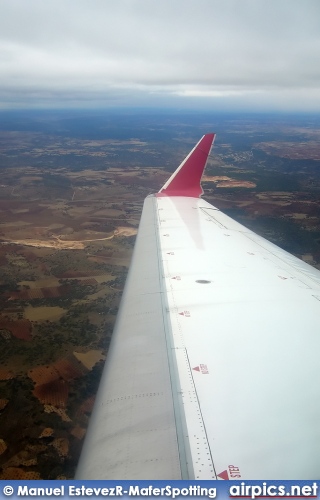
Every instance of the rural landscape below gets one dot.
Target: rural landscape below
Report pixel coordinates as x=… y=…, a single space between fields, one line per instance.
x=72 y=188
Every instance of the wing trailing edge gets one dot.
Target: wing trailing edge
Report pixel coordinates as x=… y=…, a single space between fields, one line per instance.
x=186 y=180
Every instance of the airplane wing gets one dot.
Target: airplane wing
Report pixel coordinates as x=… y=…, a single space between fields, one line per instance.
x=213 y=370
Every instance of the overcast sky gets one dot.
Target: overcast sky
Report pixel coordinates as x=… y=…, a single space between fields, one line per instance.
x=216 y=54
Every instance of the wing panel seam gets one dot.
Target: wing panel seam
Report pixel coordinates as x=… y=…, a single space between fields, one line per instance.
x=171 y=364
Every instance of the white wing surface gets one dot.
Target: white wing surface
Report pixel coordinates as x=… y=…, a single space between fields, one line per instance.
x=213 y=371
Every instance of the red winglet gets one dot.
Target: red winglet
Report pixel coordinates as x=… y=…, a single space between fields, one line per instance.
x=185 y=181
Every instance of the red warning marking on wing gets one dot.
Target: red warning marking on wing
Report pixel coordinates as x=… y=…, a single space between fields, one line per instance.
x=224 y=475
x=176 y=278
x=232 y=472
x=185 y=313
x=201 y=368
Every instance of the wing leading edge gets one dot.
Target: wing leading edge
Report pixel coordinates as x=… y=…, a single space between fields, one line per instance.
x=214 y=357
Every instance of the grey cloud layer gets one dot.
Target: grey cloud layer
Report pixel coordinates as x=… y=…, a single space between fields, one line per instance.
x=149 y=50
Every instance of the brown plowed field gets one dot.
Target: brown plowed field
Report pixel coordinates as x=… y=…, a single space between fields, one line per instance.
x=53 y=393
x=41 y=293
x=21 y=328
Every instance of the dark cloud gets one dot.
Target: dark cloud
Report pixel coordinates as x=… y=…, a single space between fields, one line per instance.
x=210 y=52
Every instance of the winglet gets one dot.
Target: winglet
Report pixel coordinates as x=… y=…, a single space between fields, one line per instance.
x=186 y=180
